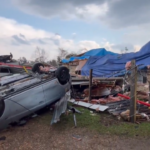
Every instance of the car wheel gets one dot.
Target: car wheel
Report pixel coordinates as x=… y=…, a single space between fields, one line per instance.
x=36 y=68
x=62 y=74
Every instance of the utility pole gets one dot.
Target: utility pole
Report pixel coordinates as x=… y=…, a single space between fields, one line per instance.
x=133 y=86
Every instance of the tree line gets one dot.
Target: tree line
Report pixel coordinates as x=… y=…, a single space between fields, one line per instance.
x=40 y=55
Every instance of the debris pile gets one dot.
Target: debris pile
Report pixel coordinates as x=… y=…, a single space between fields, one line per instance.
x=142 y=92
x=110 y=94
x=139 y=116
x=102 y=92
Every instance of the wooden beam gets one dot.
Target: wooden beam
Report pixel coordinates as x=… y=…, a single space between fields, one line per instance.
x=148 y=80
x=149 y=91
x=133 y=86
x=90 y=85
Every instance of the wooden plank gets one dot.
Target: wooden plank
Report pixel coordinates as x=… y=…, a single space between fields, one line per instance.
x=90 y=85
x=149 y=91
x=148 y=80
x=133 y=91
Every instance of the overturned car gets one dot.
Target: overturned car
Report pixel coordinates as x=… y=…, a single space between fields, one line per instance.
x=23 y=94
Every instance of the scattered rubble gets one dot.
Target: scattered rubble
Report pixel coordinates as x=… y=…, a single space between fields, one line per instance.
x=105 y=93
x=76 y=137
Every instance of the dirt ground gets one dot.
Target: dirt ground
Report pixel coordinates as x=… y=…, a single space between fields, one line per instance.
x=37 y=134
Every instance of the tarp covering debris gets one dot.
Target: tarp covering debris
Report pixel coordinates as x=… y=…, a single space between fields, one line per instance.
x=109 y=64
x=87 y=55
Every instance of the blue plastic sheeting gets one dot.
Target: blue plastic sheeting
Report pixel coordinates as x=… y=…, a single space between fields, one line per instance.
x=98 y=52
x=65 y=61
x=109 y=65
x=79 y=58
x=93 y=52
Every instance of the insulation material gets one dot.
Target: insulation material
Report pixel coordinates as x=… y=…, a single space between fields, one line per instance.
x=126 y=115
x=148 y=74
x=98 y=91
x=60 y=107
x=106 y=100
x=72 y=69
x=140 y=95
x=142 y=87
x=128 y=65
x=81 y=64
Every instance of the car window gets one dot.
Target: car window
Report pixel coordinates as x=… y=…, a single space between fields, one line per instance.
x=4 y=70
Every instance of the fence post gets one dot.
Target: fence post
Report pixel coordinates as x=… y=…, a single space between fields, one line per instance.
x=148 y=80
x=149 y=92
x=133 y=86
x=90 y=85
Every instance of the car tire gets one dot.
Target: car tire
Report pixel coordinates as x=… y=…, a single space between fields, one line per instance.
x=36 y=66
x=62 y=74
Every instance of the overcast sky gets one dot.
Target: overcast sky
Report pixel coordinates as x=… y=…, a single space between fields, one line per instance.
x=74 y=25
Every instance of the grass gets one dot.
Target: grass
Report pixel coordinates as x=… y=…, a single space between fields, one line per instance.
x=100 y=122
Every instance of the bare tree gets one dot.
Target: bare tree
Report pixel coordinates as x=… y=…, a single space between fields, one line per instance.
x=58 y=59
x=40 y=55
x=70 y=55
x=52 y=62
x=22 y=60
x=62 y=53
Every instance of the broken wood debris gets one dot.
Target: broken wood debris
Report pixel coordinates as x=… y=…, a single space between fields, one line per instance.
x=105 y=94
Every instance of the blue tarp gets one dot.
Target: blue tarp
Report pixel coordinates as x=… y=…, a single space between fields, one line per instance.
x=106 y=65
x=93 y=52
x=65 y=61
x=98 y=52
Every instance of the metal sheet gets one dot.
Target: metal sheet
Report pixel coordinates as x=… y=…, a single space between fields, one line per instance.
x=80 y=83
x=91 y=106
x=115 y=108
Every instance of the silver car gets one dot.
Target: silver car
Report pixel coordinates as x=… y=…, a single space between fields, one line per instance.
x=22 y=94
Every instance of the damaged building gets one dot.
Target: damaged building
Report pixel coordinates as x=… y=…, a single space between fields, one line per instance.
x=111 y=81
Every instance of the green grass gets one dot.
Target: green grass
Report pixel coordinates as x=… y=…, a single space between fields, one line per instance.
x=100 y=122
